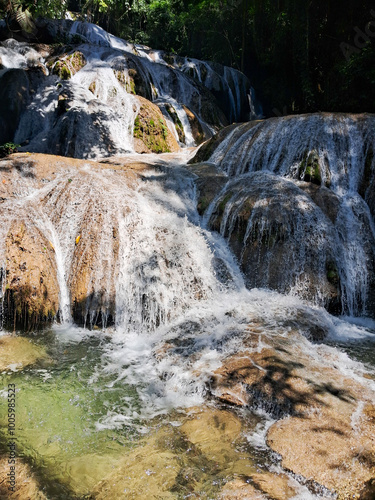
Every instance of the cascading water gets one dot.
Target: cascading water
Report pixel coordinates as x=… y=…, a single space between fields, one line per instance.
x=91 y=109
x=169 y=289
x=332 y=151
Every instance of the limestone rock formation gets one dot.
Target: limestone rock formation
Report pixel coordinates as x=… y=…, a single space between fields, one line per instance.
x=324 y=421
x=31 y=290
x=151 y=131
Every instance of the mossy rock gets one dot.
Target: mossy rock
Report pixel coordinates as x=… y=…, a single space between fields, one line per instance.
x=67 y=66
x=135 y=84
x=126 y=80
x=196 y=127
x=206 y=150
x=177 y=122
x=151 y=133
x=309 y=169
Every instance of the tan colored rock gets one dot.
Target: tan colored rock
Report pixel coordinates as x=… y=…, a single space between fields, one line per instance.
x=18 y=352
x=151 y=133
x=326 y=431
x=148 y=471
x=196 y=127
x=275 y=486
x=32 y=291
x=239 y=489
x=27 y=485
x=31 y=285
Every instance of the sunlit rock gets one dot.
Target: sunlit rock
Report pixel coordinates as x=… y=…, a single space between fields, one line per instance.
x=151 y=131
x=27 y=484
x=324 y=418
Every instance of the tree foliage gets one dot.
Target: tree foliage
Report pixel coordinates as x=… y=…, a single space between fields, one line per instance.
x=291 y=49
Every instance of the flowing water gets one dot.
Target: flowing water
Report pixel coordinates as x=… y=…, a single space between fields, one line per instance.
x=125 y=407
x=265 y=163
x=127 y=411
x=100 y=95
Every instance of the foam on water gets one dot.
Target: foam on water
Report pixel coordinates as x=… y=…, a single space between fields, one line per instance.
x=18 y=55
x=172 y=366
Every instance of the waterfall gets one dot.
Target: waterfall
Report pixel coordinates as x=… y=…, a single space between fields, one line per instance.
x=269 y=160
x=85 y=105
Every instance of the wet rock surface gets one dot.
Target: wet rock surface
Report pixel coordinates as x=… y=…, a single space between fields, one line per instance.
x=29 y=274
x=31 y=286
x=17 y=353
x=151 y=132
x=324 y=428
x=282 y=239
x=27 y=484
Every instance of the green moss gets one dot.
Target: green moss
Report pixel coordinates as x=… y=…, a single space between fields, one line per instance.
x=61 y=70
x=203 y=204
x=223 y=203
x=309 y=169
x=332 y=274
x=177 y=122
x=153 y=133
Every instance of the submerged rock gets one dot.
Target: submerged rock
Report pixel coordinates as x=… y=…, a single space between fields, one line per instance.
x=17 y=353
x=181 y=460
x=27 y=484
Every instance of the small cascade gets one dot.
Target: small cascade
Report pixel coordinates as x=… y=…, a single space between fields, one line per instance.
x=84 y=103
x=93 y=101
x=19 y=55
x=282 y=239
x=323 y=163
x=221 y=80
x=289 y=146
x=126 y=249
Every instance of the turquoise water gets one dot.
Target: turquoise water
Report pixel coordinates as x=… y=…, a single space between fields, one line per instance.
x=69 y=430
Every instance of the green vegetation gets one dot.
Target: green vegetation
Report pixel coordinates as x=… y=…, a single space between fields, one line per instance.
x=8 y=148
x=309 y=169
x=180 y=129
x=152 y=132
x=301 y=55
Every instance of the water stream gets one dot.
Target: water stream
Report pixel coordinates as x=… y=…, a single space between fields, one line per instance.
x=117 y=399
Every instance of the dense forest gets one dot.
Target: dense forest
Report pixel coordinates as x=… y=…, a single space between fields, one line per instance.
x=300 y=55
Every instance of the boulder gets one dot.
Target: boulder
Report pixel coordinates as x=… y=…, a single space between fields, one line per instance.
x=282 y=239
x=324 y=428
x=151 y=133
x=14 y=96
x=28 y=485
x=31 y=286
